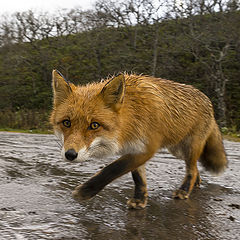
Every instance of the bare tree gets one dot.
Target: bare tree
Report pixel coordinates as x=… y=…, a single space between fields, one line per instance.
x=210 y=42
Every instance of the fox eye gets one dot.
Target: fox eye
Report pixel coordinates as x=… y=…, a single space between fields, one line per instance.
x=94 y=126
x=66 y=123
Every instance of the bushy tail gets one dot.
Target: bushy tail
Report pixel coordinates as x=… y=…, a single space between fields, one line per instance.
x=213 y=157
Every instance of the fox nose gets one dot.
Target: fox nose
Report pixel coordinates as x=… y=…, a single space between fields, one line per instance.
x=71 y=154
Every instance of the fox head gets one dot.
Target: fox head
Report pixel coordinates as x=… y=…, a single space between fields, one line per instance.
x=85 y=118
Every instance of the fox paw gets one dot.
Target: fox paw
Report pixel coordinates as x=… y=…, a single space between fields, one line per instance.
x=134 y=203
x=180 y=194
x=82 y=193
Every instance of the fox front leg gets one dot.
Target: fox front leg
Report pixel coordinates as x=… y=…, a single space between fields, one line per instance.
x=114 y=170
x=139 y=200
x=104 y=177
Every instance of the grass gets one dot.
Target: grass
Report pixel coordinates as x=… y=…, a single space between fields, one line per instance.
x=33 y=131
x=232 y=137
x=231 y=134
x=235 y=137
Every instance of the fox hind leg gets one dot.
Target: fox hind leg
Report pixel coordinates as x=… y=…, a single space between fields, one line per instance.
x=198 y=180
x=192 y=177
x=139 y=200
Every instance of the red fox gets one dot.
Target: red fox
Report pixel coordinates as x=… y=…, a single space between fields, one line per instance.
x=134 y=116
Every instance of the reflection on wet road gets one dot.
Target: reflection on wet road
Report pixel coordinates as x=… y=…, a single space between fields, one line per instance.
x=36 y=202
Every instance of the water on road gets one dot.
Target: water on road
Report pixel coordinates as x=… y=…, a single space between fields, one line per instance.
x=36 y=202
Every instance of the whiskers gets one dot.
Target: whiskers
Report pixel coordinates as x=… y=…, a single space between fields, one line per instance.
x=60 y=145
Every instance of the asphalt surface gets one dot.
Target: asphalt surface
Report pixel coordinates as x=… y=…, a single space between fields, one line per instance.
x=36 y=202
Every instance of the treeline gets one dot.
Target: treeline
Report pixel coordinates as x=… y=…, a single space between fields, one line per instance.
x=194 y=42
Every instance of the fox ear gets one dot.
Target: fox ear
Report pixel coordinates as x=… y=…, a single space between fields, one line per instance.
x=61 y=88
x=113 y=92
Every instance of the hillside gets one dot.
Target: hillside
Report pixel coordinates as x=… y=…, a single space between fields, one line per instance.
x=202 y=50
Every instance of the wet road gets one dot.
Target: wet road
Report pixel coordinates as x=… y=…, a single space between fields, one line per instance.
x=36 y=202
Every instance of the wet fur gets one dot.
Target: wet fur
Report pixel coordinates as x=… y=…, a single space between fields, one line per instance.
x=138 y=116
